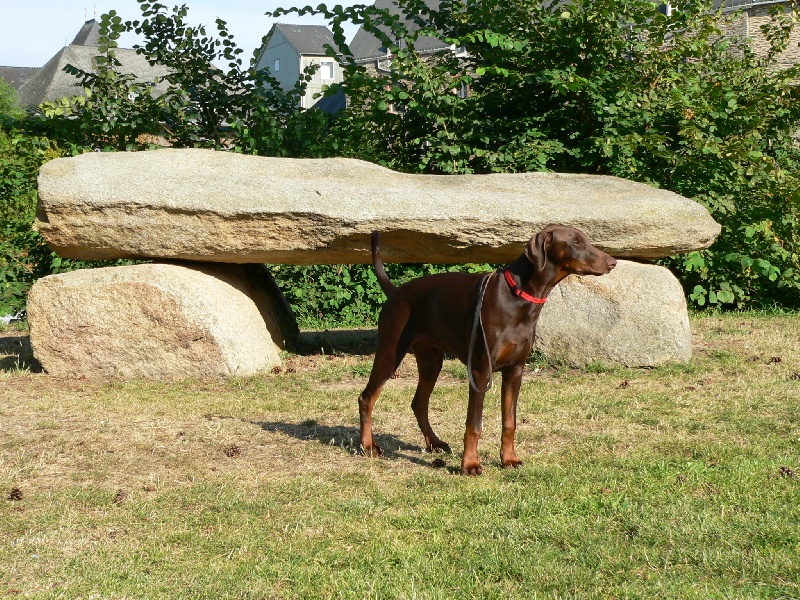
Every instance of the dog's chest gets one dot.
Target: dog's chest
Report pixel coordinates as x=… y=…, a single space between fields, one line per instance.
x=512 y=349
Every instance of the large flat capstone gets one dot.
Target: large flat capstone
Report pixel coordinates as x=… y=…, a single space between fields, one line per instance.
x=222 y=207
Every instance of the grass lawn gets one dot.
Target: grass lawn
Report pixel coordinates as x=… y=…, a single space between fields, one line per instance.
x=676 y=482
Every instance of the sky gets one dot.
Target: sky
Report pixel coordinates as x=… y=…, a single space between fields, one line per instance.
x=32 y=31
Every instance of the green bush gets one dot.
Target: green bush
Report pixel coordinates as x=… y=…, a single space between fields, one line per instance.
x=327 y=296
x=24 y=257
x=597 y=86
x=24 y=254
x=9 y=104
x=600 y=86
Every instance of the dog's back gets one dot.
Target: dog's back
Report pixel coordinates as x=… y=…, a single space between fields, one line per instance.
x=431 y=294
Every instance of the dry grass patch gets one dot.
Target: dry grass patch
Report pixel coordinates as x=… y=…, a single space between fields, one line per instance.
x=671 y=482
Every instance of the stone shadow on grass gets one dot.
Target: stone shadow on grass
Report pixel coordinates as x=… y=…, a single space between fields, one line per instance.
x=344 y=341
x=348 y=439
x=16 y=354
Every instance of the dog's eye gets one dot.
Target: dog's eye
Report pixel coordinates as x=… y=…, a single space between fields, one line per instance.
x=577 y=243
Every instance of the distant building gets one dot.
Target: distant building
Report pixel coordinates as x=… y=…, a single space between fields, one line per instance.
x=89 y=35
x=369 y=51
x=753 y=14
x=290 y=49
x=51 y=82
x=16 y=76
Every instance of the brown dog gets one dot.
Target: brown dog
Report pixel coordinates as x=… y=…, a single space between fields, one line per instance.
x=434 y=315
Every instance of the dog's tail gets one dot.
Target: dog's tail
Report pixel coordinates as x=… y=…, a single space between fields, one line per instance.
x=383 y=279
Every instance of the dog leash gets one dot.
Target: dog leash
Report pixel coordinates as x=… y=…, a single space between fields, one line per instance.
x=475 y=324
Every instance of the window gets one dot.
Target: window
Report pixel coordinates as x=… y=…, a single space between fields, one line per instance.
x=277 y=65
x=326 y=70
x=459 y=51
x=666 y=9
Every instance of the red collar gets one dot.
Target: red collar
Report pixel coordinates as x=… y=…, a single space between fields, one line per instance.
x=518 y=292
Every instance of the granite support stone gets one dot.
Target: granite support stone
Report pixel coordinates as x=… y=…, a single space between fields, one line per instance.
x=152 y=321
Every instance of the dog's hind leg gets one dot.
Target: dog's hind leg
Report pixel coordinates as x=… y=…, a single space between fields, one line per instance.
x=429 y=365
x=392 y=347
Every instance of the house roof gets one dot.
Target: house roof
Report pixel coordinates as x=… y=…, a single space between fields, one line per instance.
x=731 y=5
x=53 y=83
x=307 y=39
x=365 y=46
x=89 y=35
x=16 y=76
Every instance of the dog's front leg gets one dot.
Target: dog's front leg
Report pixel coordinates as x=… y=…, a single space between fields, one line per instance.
x=512 y=380
x=470 y=465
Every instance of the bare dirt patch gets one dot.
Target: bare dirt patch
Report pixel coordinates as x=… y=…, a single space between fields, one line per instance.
x=140 y=437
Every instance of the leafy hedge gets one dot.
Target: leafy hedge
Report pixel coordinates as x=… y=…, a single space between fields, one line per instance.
x=610 y=87
x=596 y=86
x=327 y=296
x=24 y=257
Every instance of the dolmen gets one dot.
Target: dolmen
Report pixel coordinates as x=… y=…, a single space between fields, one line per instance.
x=210 y=220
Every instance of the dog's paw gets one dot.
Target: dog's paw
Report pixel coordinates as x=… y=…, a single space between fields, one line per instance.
x=471 y=469
x=439 y=446
x=373 y=450
x=513 y=463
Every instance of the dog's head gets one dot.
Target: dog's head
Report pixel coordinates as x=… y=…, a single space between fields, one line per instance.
x=568 y=250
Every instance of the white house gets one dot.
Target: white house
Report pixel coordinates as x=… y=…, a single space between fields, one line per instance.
x=292 y=48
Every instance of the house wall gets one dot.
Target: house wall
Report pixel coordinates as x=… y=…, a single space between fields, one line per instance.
x=748 y=24
x=758 y=16
x=320 y=77
x=280 y=49
x=292 y=65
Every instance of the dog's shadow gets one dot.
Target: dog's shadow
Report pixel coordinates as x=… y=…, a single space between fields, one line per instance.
x=347 y=438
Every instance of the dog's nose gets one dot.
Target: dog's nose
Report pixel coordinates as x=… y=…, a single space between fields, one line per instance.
x=611 y=262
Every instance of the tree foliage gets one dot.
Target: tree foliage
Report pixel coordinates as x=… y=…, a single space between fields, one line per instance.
x=600 y=86
x=593 y=86
x=9 y=103
x=194 y=104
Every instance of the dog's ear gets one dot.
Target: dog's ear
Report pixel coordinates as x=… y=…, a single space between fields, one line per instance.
x=537 y=247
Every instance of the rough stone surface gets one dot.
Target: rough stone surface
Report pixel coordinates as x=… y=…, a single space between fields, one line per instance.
x=635 y=316
x=155 y=321
x=224 y=207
